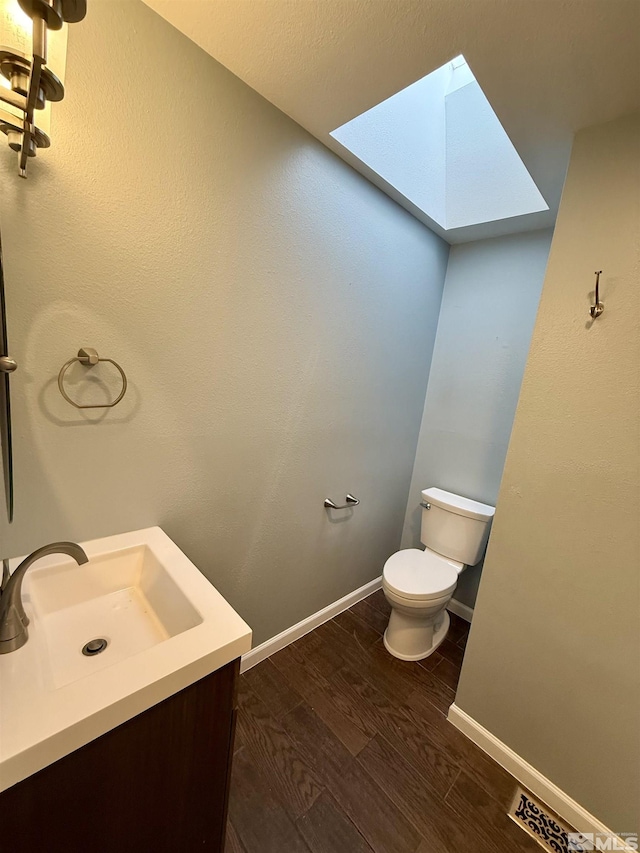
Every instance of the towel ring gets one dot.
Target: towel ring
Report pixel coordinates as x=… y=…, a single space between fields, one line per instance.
x=89 y=357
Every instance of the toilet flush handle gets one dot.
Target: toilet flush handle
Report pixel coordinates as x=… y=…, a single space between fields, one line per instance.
x=425 y=505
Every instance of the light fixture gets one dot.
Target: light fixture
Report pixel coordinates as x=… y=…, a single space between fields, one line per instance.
x=33 y=50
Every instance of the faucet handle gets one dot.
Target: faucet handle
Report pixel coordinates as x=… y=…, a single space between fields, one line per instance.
x=6 y=574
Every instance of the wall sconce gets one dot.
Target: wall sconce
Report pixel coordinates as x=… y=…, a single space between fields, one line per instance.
x=33 y=53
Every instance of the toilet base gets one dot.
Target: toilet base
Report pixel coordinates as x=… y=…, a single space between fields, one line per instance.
x=415 y=646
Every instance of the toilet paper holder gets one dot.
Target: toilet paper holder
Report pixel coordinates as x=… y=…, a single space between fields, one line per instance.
x=350 y=502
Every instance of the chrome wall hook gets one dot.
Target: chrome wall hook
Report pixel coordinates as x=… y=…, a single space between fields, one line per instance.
x=597 y=309
x=350 y=502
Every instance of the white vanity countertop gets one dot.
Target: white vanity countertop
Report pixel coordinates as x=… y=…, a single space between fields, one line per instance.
x=45 y=715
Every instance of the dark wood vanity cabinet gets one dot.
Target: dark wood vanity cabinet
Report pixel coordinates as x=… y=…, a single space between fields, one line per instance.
x=158 y=783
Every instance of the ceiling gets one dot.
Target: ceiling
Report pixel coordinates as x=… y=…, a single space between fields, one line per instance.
x=548 y=67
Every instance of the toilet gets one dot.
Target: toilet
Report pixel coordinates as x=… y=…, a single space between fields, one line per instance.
x=419 y=584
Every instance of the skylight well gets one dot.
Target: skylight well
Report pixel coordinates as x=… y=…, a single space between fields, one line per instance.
x=440 y=145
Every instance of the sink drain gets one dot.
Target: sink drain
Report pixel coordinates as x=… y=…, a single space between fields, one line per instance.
x=94 y=647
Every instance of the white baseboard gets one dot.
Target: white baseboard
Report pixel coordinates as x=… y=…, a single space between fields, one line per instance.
x=462 y=610
x=566 y=807
x=270 y=647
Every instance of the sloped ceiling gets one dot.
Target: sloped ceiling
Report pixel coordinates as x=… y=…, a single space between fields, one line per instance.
x=548 y=67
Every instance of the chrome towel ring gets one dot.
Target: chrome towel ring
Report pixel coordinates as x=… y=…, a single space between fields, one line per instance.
x=89 y=357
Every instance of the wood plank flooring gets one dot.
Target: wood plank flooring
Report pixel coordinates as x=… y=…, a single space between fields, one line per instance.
x=342 y=748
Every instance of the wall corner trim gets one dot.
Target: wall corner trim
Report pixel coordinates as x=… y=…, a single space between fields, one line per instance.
x=290 y=635
x=566 y=807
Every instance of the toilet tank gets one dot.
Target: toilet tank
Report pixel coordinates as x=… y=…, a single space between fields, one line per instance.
x=454 y=526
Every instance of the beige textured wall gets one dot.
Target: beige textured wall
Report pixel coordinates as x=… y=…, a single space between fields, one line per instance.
x=553 y=662
x=275 y=314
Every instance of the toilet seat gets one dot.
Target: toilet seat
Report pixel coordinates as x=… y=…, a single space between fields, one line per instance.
x=415 y=574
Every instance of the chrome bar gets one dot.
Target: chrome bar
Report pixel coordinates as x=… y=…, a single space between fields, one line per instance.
x=350 y=502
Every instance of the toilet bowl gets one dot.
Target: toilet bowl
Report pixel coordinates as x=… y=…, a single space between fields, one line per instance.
x=419 y=584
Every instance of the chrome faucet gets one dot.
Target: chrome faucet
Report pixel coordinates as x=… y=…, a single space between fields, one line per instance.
x=13 y=619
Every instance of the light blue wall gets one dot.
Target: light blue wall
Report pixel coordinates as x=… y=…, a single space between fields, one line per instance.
x=489 y=305
x=275 y=314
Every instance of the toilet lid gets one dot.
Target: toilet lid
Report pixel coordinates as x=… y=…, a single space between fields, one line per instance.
x=412 y=573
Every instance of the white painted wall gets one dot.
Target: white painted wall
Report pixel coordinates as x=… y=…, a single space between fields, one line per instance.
x=488 y=311
x=486 y=179
x=552 y=667
x=439 y=144
x=403 y=139
x=274 y=312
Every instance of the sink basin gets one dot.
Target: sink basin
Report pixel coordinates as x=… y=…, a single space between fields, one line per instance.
x=126 y=597
x=164 y=626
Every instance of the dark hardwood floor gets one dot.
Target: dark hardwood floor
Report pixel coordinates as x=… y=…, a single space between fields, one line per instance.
x=341 y=748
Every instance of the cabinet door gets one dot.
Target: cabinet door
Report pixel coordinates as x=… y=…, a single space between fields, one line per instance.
x=156 y=784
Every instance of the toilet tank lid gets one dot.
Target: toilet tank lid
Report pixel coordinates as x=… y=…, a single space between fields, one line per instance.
x=458 y=504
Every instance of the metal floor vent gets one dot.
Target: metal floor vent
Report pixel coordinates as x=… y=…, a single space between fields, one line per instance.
x=542 y=824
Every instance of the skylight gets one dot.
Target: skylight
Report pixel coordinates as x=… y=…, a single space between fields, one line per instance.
x=440 y=145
